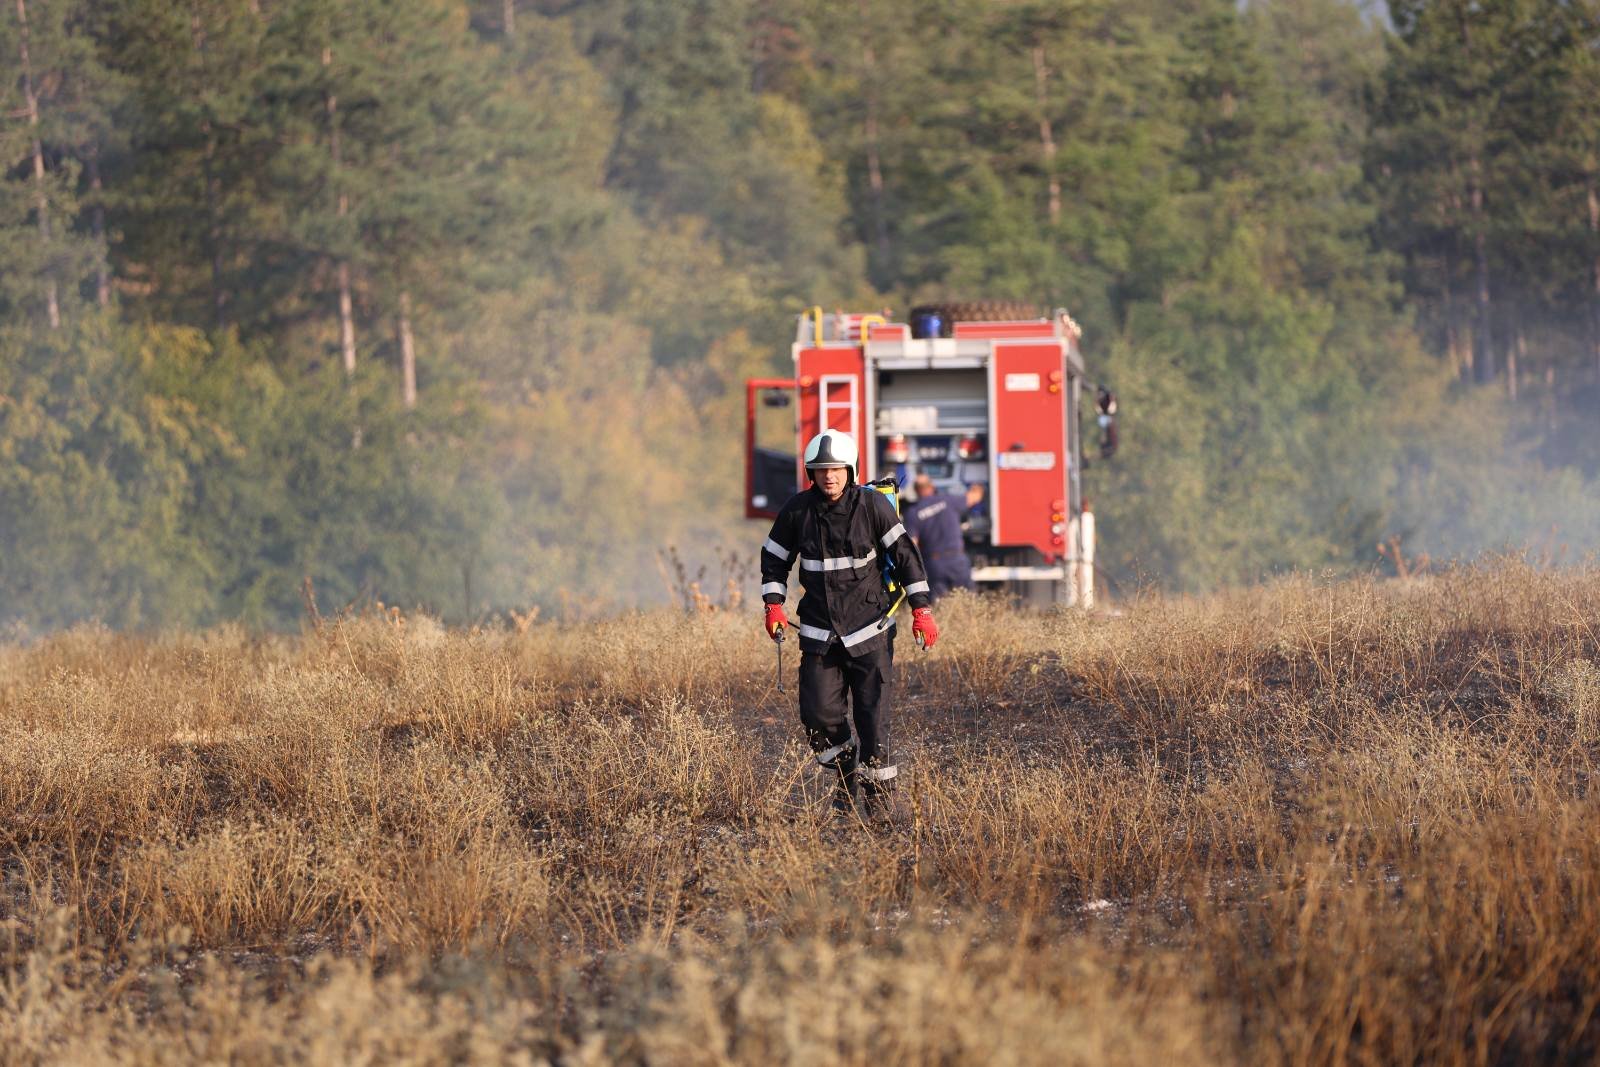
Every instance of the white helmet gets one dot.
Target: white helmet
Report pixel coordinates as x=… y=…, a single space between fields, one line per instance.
x=831 y=448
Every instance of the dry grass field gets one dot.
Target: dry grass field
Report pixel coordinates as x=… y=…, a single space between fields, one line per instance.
x=1317 y=822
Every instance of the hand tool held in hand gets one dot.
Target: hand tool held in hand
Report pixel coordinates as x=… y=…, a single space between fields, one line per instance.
x=777 y=619
x=776 y=625
x=778 y=637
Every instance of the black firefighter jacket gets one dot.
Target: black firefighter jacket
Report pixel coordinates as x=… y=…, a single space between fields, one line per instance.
x=840 y=548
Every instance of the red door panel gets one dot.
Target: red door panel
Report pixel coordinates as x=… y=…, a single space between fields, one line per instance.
x=1027 y=446
x=833 y=396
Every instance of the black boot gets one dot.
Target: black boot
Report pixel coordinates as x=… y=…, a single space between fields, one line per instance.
x=877 y=796
x=844 y=787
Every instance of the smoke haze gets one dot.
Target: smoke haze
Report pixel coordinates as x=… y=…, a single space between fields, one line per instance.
x=398 y=301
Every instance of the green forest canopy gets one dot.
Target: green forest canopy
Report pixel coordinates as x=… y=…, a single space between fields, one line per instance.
x=450 y=303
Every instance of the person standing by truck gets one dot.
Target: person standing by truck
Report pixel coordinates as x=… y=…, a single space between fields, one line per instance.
x=841 y=534
x=934 y=523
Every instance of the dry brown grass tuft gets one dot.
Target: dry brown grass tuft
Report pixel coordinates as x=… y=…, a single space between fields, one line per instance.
x=1309 y=823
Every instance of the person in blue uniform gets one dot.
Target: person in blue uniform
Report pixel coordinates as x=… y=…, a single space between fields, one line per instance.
x=934 y=523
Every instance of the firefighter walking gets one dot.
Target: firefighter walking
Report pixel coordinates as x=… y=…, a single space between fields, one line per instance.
x=842 y=534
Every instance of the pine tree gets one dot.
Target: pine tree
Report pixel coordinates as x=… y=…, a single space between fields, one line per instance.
x=193 y=197
x=696 y=140
x=1456 y=158
x=1252 y=421
x=53 y=108
x=96 y=484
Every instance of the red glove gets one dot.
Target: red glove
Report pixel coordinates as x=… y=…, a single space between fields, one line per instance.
x=923 y=628
x=776 y=620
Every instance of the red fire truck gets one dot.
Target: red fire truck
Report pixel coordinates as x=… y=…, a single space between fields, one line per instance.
x=974 y=395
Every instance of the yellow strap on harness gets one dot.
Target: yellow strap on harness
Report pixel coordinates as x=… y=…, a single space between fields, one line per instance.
x=887 y=487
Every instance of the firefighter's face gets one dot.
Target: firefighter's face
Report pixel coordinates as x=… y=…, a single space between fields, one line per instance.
x=832 y=481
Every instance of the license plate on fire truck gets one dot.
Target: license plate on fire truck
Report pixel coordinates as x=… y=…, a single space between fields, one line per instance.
x=1026 y=461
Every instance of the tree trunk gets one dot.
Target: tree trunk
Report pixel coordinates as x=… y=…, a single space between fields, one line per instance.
x=1550 y=397
x=508 y=18
x=347 y=321
x=1482 y=347
x=1458 y=333
x=1483 y=362
x=1047 y=140
x=219 y=297
x=1522 y=356
x=97 y=226
x=1482 y=344
x=408 y=353
x=880 y=218
x=1457 y=337
x=1452 y=338
x=1516 y=349
x=42 y=203
x=1594 y=303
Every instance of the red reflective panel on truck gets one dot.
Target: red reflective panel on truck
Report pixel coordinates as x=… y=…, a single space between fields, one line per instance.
x=1027 y=446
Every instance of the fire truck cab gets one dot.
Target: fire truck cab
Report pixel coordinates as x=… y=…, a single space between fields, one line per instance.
x=992 y=404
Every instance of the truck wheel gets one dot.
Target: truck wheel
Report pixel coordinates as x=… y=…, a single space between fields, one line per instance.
x=977 y=311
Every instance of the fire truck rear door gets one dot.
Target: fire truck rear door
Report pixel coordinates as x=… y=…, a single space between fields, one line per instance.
x=833 y=396
x=1027 y=446
x=769 y=471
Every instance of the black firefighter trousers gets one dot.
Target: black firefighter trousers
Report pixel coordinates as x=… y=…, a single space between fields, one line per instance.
x=836 y=687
